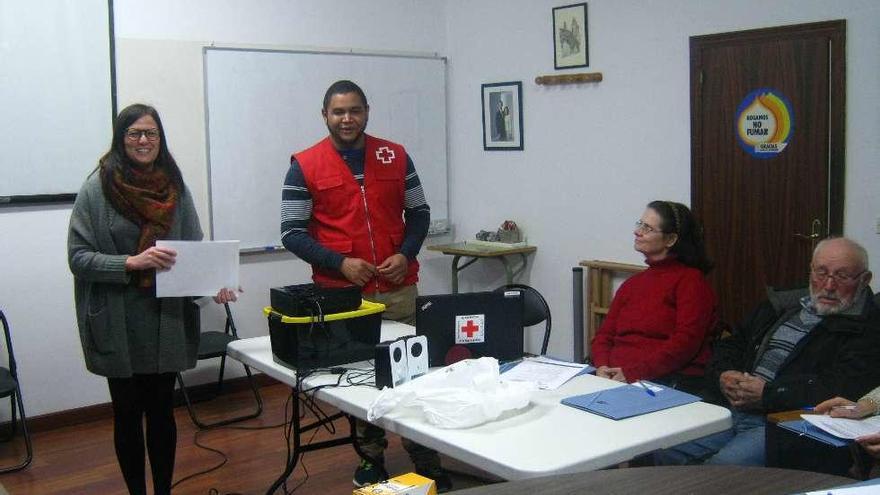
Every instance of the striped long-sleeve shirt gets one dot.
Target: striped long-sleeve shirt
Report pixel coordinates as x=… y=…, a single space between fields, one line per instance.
x=296 y=212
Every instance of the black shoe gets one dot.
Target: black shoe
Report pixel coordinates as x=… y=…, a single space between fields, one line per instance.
x=441 y=478
x=366 y=473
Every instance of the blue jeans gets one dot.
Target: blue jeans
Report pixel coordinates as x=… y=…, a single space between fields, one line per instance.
x=742 y=444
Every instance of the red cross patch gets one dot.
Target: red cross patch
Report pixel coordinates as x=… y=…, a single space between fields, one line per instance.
x=470 y=329
x=385 y=155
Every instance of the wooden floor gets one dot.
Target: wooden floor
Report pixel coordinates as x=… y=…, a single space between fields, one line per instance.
x=80 y=459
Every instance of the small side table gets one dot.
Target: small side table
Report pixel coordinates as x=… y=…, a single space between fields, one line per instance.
x=478 y=251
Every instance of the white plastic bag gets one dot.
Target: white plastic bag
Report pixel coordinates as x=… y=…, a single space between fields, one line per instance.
x=464 y=394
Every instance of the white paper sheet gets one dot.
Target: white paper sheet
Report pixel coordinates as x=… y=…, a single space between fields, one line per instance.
x=844 y=427
x=546 y=373
x=201 y=268
x=853 y=490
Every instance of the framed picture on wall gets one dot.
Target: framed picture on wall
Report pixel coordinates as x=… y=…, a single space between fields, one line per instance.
x=502 y=116
x=570 y=47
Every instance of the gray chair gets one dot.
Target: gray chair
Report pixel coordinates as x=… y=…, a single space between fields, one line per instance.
x=9 y=387
x=213 y=345
x=535 y=309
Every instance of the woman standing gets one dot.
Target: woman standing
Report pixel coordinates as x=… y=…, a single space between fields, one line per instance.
x=134 y=197
x=659 y=326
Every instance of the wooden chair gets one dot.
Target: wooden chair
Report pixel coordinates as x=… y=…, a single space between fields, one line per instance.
x=600 y=291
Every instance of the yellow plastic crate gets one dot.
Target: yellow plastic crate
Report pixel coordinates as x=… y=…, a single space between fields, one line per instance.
x=304 y=342
x=366 y=308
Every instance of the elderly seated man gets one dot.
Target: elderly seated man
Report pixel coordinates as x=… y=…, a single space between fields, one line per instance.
x=792 y=352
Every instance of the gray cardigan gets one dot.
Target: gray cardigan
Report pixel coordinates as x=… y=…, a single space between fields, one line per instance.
x=115 y=343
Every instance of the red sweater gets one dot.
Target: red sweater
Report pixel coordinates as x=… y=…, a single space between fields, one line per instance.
x=659 y=323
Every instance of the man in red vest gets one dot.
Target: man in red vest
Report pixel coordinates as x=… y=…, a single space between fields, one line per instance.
x=353 y=207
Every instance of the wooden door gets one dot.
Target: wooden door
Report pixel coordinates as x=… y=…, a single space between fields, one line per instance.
x=765 y=204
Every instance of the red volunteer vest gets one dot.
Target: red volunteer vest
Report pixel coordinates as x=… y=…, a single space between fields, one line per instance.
x=357 y=223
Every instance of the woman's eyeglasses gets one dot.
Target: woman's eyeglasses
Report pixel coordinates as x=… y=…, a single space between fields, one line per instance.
x=645 y=228
x=135 y=134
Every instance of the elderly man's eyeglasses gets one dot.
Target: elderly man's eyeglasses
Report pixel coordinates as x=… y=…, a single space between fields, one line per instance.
x=645 y=228
x=822 y=276
x=135 y=134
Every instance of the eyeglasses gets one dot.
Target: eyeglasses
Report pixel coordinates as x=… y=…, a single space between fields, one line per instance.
x=821 y=276
x=135 y=134
x=645 y=228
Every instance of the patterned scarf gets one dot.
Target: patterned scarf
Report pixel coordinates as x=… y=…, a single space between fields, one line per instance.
x=147 y=198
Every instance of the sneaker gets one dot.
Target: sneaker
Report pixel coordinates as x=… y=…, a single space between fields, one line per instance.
x=441 y=478
x=366 y=473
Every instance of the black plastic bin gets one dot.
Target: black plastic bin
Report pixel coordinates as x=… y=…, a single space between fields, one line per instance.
x=340 y=338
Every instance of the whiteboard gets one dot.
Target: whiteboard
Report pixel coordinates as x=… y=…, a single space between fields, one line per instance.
x=55 y=95
x=264 y=105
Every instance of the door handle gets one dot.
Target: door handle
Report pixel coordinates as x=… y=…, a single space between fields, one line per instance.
x=815 y=232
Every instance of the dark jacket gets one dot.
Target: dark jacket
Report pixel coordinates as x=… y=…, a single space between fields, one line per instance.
x=839 y=357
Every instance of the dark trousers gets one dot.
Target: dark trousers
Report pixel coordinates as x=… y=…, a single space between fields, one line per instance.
x=134 y=398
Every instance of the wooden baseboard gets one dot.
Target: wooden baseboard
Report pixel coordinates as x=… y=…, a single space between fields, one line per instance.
x=79 y=415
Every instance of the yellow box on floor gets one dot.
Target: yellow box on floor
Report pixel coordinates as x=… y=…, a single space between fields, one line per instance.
x=405 y=484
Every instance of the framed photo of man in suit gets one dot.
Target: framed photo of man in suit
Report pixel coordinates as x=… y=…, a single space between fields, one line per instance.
x=502 y=116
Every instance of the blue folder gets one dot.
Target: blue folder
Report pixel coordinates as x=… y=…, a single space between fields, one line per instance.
x=628 y=401
x=802 y=427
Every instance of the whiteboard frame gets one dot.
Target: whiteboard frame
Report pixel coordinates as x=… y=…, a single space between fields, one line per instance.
x=69 y=197
x=443 y=225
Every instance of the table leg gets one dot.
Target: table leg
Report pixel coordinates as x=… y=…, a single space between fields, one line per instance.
x=509 y=271
x=297 y=429
x=456 y=269
x=455 y=273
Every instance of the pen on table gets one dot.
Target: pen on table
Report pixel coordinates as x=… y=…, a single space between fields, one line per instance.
x=647 y=388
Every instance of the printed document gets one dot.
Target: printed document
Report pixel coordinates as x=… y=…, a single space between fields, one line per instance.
x=844 y=427
x=546 y=373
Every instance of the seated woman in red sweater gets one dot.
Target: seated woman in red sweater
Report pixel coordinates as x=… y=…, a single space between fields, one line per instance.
x=659 y=326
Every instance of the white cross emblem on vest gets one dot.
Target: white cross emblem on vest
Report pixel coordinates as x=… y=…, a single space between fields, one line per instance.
x=385 y=155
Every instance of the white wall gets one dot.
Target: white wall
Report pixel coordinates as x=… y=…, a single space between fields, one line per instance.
x=594 y=154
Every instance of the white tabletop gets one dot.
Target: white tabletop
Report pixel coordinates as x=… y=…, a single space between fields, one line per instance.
x=542 y=439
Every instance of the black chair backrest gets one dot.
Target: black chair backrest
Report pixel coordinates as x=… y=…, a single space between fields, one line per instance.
x=192 y=317
x=9 y=353
x=230 y=323
x=535 y=309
